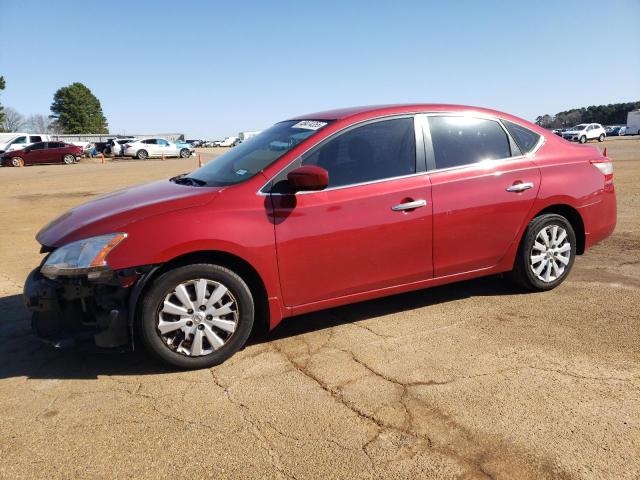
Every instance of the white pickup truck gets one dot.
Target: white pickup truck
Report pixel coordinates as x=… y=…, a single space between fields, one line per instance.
x=22 y=140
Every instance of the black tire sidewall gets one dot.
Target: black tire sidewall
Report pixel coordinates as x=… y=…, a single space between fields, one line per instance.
x=184 y=153
x=601 y=138
x=526 y=277
x=583 y=139
x=154 y=296
x=140 y=157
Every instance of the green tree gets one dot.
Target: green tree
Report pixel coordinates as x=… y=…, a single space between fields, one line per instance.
x=77 y=110
x=2 y=85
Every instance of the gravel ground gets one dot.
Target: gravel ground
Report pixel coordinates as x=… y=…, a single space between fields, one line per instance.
x=473 y=380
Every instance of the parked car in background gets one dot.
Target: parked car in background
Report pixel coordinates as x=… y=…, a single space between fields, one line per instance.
x=42 y=152
x=116 y=145
x=154 y=147
x=227 y=142
x=633 y=123
x=194 y=143
x=184 y=144
x=612 y=130
x=559 y=131
x=584 y=132
x=244 y=136
x=361 y=203
x=21 y=141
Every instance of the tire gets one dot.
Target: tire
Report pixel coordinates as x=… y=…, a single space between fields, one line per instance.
x=177 y=347
x=531 y=274
x=184 y=153
x=601 y=137
x=17 y=162
x=583 y=139
x=69 y=159
x=142 y=154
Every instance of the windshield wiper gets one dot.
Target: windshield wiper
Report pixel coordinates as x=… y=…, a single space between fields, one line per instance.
x=184 y=180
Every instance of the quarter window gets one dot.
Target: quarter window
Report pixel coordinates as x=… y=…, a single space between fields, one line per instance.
x=379 y=150
x=525 y=138
x=461 y=141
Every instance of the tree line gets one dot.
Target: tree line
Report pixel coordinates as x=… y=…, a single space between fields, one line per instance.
x=75 y=110
x=612 y=114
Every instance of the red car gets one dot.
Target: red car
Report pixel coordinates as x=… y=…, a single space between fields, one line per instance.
x=321 y=210
x=42 y=152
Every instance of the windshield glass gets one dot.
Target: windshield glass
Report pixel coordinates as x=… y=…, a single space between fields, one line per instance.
x=252 y=156
x=582 y=126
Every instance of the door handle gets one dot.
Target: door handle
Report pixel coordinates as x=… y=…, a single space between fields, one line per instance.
x=409 y=205
x=520 y=187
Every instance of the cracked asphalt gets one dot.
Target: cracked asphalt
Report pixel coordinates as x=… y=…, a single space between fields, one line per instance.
x=472 y=380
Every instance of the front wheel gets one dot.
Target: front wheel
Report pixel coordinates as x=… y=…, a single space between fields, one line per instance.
x=546 y=253
x=196 y=316
x=184 y=153
x=69 y=159
x=583 y=139
x=142 y=155
x=601 y=137
x=17 y=162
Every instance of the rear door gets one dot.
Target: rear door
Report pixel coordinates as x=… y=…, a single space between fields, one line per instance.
x=53 y=153
x=483 y=189
x=360 y=234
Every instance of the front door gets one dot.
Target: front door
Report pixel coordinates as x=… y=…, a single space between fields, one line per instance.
x=482 y=189
x=35 y=154
x=370 y=229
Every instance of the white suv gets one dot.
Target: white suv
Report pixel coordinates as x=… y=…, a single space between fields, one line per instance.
x=584 y=132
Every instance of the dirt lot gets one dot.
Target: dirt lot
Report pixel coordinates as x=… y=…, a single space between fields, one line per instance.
x=472 y=380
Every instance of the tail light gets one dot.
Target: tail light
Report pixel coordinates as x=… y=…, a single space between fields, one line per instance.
x=605 y=166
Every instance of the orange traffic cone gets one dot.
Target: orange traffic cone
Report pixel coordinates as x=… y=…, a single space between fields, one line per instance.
x=102 y=158
x=199 y=160
x=162 y=156
x=604 y=154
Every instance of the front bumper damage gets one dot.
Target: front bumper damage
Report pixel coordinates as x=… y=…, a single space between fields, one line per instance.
x=71 y=310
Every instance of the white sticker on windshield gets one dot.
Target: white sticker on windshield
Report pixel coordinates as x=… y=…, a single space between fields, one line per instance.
x=309 y=124
x=241 y=172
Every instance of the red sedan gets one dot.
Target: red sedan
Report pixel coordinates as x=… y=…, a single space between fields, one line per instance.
x=318 y=211
x=42 y=152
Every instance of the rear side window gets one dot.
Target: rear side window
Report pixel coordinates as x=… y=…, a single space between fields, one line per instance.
x=461 y=141
x=525 y=138
x=55 y=145
x=37 y=146
x=379 y=150
x=36 y=138
x=151 y=141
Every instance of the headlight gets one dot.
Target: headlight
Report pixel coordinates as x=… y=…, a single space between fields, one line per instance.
x=82 y=257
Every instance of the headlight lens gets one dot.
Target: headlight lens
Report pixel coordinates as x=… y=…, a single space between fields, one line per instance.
x=82 y=257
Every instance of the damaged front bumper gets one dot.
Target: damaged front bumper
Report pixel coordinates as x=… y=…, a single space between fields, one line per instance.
x=72 y=310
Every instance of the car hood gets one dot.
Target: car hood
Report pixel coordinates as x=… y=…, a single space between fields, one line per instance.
x=114 y=211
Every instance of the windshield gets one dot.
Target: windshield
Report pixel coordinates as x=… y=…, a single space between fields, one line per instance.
x=252 y=156
x=582 y=126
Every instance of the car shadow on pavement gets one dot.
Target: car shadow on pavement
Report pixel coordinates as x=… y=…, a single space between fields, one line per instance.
x=23 y=355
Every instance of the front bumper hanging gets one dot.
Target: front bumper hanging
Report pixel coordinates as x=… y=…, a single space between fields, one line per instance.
x=69 y=311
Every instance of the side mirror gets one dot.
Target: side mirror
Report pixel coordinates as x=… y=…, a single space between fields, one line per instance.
x=308 y=178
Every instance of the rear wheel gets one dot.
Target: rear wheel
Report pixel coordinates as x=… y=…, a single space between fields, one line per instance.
x=196 y=316
x=583 y=139
x=601 y=137
x=184 y=153
x=69 y=159
x=17 y=162
x=142 y=155
x=546 y=254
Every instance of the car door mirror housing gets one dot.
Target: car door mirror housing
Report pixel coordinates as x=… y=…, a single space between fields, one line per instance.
x=308 y=178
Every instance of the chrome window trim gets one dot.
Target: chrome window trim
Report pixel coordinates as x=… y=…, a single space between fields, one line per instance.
x=415 y=114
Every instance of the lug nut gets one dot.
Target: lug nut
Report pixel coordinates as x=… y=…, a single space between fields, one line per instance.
x=200 y=327
x=189 y=323
x=190 y=311
x=203 y=307
x=209 y=317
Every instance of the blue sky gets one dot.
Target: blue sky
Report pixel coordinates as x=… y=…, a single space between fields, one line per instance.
x=210 y=69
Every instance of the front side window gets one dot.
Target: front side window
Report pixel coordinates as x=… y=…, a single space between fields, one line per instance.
x=254 y=155
x=20 y=140
x=376 y=151
x=461 y=141
x=525 y=138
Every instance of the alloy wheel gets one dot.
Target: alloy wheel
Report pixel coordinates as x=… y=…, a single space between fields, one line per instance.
x=68 y=159
x=550 y=253
x=197 y=317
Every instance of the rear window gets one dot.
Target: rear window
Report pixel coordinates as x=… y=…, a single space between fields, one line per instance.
x=459 y=141
x=525 y=138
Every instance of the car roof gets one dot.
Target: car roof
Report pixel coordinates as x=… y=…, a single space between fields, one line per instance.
x=381 y=110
